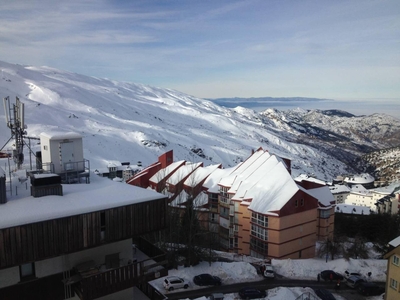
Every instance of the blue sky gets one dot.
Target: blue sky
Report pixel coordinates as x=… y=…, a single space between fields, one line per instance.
x=253 y=48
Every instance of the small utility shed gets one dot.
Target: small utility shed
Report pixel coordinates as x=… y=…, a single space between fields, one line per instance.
x=62 y=151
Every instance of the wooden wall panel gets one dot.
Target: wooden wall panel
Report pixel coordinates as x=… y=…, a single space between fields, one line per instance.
x=37 y=241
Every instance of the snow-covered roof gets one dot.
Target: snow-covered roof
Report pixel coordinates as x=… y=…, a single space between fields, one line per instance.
x=387 y=190
x=248 y=163
x=352 y=209
x=199 y=201
x=182 y=172
x=323 y=194
x=100 y=194
x=200 y=174
x=60 y=135
x=271 y=192
x=359 y=189
x=339 y=188
x=179 y=199
x=211 y=183
x=395 y=242
x=306 y=177
x=161 y=174
x=253 y=172
x=360 y=179
x=118 y=168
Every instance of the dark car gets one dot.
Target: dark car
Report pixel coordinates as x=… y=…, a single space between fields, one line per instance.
x=330 y=275
x=206 y=279
x=324 y=294
x=370 y=289
x=354 y=281
x=251 y=293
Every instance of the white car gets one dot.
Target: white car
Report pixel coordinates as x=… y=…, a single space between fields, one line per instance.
x=349 y=273
x=269 y=271
x=175 y=282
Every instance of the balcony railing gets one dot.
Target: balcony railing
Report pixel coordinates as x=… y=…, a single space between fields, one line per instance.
x=111 y=281
x=96 y=283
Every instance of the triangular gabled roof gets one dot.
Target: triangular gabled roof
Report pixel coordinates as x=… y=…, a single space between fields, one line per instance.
x=250 y=162
x=183 y=171
x=163 y=173
x=211 y=183
x=200 y=174
x=256 y=170
x=270 y=192
x=323 y=194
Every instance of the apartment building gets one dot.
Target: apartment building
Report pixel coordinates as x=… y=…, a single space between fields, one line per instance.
x=360 y=196
x=387 y=198
x=75 y=241
x=258 y=209
x=340 y=192
x=393 y=270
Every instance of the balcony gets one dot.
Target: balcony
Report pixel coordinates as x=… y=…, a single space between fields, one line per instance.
x=89 y=282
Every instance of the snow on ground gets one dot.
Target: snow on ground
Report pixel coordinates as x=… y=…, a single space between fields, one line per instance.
x=242 y=271
x=309 y=268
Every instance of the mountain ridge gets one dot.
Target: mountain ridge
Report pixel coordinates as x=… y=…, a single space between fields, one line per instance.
x=136 y=122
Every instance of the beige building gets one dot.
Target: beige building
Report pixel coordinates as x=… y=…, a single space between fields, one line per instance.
x=387 y=198
x=256 y=208
x=360 y=196
x=265 y=213
x=393 y=271
x=340 y=192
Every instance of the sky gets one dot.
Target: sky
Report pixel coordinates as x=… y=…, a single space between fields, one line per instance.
x=211 y=49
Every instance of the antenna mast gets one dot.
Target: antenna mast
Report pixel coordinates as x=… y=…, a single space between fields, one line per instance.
x=15 y=119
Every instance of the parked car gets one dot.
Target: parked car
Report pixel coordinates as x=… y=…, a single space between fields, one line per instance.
x=251 y=293
x=216 y=296
x=268 y=271
x=173 y=282
x=354 y=281
x=370 y=289
x=324 y=294
x=330 y=275
x=349 y=273
x=206 y=279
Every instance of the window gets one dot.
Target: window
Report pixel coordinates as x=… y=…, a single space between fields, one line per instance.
x=102 y=226
x=45 y=147
x=296 y=203
x=27 y=271
x=324 y=214
x=224 y=212
x=301 y=202
x=260 y=247
x=259 y=219
x=259 y=232
x=396 y=260
x=212 y=217
x=393 y=283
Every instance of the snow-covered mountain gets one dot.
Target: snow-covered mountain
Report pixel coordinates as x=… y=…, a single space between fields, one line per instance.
x=131 y=122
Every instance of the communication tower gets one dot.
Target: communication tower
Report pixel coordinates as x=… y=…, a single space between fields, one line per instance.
x=15 y=119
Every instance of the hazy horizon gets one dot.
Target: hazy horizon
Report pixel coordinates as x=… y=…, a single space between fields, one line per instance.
x=356 y=107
